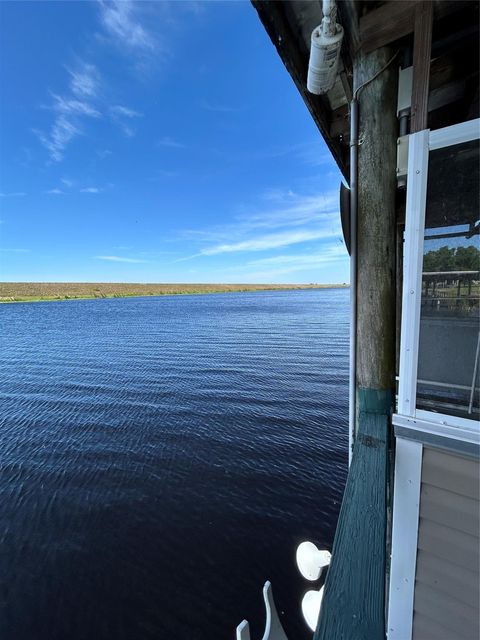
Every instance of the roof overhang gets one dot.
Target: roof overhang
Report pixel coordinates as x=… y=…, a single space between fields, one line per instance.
x=369 y=25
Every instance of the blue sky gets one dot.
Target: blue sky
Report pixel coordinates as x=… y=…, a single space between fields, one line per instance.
x=158 y=142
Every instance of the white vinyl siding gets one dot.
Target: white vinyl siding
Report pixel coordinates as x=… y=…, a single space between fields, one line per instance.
x=447 y=570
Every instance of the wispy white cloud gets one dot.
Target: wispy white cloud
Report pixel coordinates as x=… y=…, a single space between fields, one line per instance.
x=90 y=190
x=120 y=110
x=14 y=194
x=121 y=259
x=280 y=267
x=104 y=153
x=312 y=154
x=56 y=191
x=281 y=219
x=15 y=250
x=67 y=182
x=123 y=116
x=272 y=275
x=165 y=173
x=218 y=108
x=287 y=208
x=329 y=253
x=85 y=80
x=72 y=106
x=170 y=142
x=61 y=133
x=277 y=209
x=269 y=241
x=70 y=110
x=127 y=130
x=122 y=24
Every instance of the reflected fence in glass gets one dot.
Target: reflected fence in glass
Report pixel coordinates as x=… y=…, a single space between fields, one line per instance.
x=449 y=343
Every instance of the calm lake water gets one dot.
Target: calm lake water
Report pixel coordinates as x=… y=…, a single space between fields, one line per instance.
x=162 y=457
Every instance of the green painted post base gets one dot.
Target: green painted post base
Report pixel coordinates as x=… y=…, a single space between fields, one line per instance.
x=353 y=606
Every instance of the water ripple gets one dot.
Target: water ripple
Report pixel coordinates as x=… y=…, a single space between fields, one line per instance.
x=162 y=457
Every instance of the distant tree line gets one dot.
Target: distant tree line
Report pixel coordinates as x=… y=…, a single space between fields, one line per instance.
x=452 y=259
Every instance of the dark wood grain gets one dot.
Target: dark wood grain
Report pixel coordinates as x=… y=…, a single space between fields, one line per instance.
x=377 y=156
x=422 y=46
x=388 y=23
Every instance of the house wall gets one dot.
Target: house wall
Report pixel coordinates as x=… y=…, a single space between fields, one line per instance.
x=446 y=598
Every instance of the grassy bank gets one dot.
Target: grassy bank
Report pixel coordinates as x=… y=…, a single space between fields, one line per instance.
x=45 y=291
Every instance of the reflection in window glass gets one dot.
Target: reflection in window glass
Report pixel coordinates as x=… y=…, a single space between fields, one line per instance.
x=448 y=362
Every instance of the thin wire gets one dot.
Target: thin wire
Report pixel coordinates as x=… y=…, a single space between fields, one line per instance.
x=362 y=86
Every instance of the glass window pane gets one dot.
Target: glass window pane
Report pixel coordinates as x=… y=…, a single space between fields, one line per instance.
x=448 y=362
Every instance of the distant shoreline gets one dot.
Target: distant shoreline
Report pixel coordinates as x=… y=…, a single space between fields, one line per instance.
x=12 y=292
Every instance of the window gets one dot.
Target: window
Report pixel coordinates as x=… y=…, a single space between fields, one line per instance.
x=440 y=339
x=448 y=371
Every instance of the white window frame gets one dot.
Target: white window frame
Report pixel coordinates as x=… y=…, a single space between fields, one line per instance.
x=406 y=509
x=419 y=147
x=417 y=426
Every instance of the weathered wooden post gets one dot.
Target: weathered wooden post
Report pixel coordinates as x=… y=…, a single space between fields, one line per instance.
x=376 y=230
x=354 y=598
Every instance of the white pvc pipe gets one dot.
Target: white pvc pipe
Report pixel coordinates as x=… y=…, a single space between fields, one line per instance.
x=352 y=379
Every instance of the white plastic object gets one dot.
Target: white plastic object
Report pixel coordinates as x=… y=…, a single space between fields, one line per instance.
x=273 y=626
x=311 y=560
x=405 y=83
x=311 y=604
x=326 y=42
x=402 y=160
x=243 y=631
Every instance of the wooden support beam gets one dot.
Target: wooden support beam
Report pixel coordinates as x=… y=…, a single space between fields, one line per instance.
x=442 y=93
x=422 y=47
x=396 y=19
x=447 y=94
x=376 y=221
x=389 y=22
x=348 y=18
x=353 y=603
